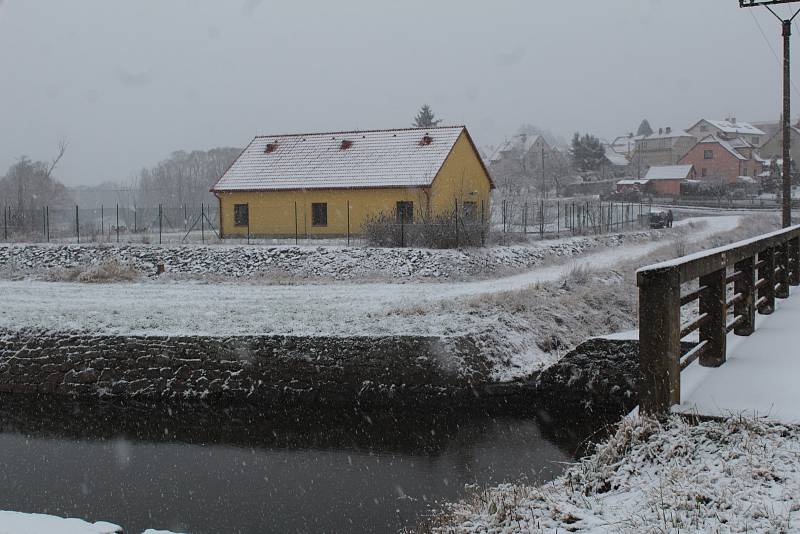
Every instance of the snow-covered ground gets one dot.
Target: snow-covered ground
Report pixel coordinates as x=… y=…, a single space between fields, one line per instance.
x=737 y=475
x=177 y=308
x=22 y=523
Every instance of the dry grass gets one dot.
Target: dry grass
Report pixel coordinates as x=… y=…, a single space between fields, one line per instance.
x=105 y=272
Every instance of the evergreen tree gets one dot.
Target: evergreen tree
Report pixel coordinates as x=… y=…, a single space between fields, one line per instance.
x=644 y=128
x=425 y=118
x=587 y=152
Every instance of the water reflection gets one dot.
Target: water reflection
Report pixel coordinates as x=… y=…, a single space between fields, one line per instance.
x=216 y=470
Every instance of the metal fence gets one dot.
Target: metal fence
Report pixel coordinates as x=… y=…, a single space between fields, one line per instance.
x=547 y=219
x=507 y=221
x=111 y=224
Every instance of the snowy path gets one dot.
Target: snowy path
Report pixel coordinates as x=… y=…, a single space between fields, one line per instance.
x=760 y=375
x=326 y=309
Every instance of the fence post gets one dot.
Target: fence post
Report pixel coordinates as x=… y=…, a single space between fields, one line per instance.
x=456 y=221
x=541 y=221
x=117 y=223
x=483 y=227
x=767 y=273
x=558 y=218
x=745 y=285
x=248 y=224
x=525 y=218
x=47 y=220
x=203 y=223
x=102 y=222
x=348 y=223
x=184 y=217
x=295 y=223
x=659 y=341
x=713 y=332
x=159 y=223
x=401 y=214
x=77 y=225
x=44 y=224
x=135 y=230
x=782 y=277
x=5 y=223
x=794 y=261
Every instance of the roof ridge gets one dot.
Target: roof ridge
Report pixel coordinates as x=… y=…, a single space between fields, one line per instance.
x=362 y=131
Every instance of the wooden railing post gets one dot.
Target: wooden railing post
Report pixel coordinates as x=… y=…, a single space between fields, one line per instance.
x=712 y=332
x=659 y=341
x=782 y=277
x=745 y=285
x=794 y=261
x=767 y=272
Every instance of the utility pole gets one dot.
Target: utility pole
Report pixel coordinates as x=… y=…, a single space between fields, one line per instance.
x=786 y=25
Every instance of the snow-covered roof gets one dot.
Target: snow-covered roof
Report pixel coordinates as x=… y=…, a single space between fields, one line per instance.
x=713 y=139
x=409 y=157
x=633 y=182
x=521 y=143
x=669 y=172
x=616 y=159
x=664 y=134
x=733 y=127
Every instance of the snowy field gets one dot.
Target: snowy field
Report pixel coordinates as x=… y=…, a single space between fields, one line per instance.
x=737 y=475
x=184 y=308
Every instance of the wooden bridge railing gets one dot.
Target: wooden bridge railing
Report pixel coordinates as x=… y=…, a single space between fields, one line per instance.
x=760 y=270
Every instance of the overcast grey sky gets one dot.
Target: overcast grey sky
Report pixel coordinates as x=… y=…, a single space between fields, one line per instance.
x=127 y=82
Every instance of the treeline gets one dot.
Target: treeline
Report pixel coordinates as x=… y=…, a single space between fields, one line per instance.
x=183 y=178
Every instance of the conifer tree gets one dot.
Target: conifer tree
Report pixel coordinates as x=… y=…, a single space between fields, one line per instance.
x=644 y=128
x=425 y=118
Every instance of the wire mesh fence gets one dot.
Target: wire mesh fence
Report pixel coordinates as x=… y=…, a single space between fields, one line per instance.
x=526 y=218
x=111 y=224
x=508 y=221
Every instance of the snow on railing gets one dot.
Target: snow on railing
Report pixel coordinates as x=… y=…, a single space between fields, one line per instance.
x=760 y=270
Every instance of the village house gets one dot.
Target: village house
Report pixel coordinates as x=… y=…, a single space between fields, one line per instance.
x=329 y=184
x=665 y=147
x=728 y=129
x=773 y=147
x=517 y=162
x=665 y=180
x=724 y=160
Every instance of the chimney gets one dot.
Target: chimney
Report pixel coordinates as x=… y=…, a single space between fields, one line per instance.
x=660 y=131
x=669 y=129
x=733 y=120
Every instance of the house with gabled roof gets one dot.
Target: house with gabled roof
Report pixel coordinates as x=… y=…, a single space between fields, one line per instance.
x=666 y=179
x=723 y=160
x=728 y=129
x=330 y=184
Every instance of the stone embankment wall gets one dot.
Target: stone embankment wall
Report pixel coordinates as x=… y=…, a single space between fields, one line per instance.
x=369 y=370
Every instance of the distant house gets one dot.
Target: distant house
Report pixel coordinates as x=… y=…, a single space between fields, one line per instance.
x=665 y=147
x=724 y=160
x=630 y=185
x=728 y=129
x=666 y=179
x=521 y=157
x=327 y=184
x=617 y=164
x=773 y=147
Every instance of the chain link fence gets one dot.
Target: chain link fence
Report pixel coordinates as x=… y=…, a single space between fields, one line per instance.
x=112 y=224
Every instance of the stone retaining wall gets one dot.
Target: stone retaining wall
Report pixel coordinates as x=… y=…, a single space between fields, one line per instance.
x=369 y=370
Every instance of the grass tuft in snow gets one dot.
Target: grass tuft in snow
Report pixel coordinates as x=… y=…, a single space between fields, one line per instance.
x=736 y=475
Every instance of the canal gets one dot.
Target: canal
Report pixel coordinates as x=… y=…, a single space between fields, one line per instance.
x=213 y=470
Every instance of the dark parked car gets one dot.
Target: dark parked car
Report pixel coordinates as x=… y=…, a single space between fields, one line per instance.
x=659 y=219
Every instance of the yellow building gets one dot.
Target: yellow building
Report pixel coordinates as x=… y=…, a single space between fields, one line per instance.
x=329 y=184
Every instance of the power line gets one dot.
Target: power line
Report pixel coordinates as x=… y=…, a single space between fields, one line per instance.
x=775 y=54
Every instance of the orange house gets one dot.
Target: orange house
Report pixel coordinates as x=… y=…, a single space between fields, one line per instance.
x=666 y=180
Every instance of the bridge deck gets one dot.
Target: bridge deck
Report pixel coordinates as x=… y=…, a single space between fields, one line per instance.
x=761 y=376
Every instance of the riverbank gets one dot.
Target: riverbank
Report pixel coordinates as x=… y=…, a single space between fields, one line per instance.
x=734 y=475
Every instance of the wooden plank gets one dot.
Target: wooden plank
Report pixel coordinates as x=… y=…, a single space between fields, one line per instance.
x=713 y=303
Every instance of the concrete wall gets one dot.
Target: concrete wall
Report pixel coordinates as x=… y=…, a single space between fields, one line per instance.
x=254 y=369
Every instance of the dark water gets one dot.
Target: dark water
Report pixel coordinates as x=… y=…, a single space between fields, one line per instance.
x=212 y=470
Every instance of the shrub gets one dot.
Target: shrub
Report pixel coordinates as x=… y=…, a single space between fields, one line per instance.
x=439 y=231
